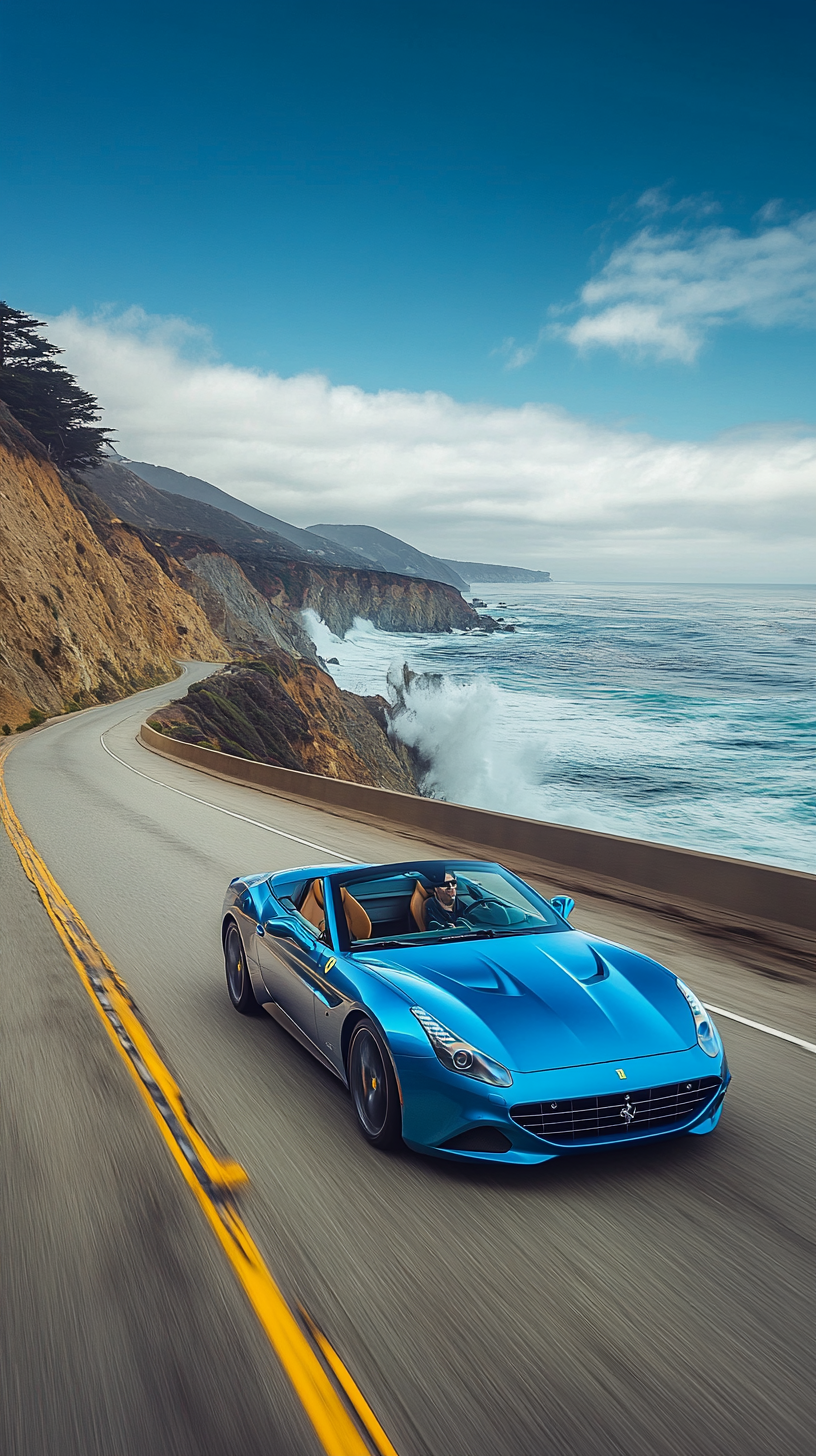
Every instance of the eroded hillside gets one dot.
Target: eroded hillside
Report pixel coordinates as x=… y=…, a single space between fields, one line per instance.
x=88 y=611
x=292 y=714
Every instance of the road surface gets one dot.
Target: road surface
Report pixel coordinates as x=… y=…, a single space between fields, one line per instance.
x=651 y=1302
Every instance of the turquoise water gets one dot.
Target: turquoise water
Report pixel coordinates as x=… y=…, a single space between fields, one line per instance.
x=681 y=714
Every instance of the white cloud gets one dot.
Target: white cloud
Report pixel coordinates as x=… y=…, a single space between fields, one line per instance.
x=661 y=293
x=657 y=200
x=532 y=485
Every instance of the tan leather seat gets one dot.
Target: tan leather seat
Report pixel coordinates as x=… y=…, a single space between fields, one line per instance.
x=313 y=909
x=357 y=918
x=418 y=899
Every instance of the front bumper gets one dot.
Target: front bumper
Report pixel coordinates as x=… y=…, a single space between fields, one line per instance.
x=441 y=1108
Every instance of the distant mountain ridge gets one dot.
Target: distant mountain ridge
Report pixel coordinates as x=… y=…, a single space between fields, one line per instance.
x=335 y=545
x=173 y=482
x=483 y=571
x=153 y=508
x=237 y=561
x=391 y=553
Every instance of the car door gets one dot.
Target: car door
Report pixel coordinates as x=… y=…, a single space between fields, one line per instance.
x=291 y=956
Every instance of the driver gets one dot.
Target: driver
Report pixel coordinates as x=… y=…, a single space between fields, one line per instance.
x=443 y=908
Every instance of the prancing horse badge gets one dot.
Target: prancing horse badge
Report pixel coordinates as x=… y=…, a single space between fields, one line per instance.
x=621 y=1073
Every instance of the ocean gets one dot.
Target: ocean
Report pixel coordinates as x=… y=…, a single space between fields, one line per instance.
x=679 y=714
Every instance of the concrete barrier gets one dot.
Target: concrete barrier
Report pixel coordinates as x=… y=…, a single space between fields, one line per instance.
x=711 y=887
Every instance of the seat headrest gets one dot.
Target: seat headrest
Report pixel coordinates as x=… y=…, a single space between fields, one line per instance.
x=357 y=918
x=312 y=907
x=420 y=895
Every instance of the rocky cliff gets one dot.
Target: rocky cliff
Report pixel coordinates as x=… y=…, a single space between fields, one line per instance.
x=234 y=607
x=90 y=609
x=291 y=714
x=338 y=595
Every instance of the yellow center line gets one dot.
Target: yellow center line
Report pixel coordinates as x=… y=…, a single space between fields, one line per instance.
x=359 y=1403
x=211 y=1176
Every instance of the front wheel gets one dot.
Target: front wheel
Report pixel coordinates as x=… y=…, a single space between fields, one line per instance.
x=239 y=985
x=373 y=1087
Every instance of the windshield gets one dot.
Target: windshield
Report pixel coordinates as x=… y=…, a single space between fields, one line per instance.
x=449 y=901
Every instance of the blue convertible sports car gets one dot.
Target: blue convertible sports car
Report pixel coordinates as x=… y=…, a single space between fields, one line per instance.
x=466 y=1016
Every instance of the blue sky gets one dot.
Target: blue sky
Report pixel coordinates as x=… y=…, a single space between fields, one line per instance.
x=386 y=192
x=412 y=197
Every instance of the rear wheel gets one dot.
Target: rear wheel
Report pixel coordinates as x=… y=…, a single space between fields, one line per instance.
x=239 y=985
x=373 y=1087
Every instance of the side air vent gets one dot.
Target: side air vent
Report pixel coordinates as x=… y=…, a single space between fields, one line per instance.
x=479 y=1140
x=600 y=972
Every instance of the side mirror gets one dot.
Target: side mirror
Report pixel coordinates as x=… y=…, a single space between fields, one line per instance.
x=285 y=927
x=564 y=904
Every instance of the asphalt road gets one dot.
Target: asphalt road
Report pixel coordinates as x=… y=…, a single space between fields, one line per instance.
x=651 y=1301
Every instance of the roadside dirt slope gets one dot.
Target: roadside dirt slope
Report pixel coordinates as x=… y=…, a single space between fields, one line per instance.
x=89 y=608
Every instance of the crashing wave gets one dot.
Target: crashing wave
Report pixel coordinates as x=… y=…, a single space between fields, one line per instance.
x=454 y=734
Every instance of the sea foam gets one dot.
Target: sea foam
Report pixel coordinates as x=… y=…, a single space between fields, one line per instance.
x=680 y=715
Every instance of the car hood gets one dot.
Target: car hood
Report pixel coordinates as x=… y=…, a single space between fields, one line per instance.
x=540 y=1002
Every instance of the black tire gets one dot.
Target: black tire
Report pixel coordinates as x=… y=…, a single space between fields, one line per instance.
x=373 y=1087
x=239 y=984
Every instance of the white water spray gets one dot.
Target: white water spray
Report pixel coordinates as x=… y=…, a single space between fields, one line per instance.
x=456 y=732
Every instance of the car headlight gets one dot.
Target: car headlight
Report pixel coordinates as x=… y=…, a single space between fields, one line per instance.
x=707 y=1035
x=460 y=1056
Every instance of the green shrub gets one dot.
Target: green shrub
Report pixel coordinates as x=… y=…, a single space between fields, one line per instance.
x=185 y=732
x=38 y=657
x=230 y=746
x=265 y=667
x=6 y=730
x=35 y=718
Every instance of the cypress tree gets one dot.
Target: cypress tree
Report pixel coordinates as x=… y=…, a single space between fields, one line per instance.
x=44 y=397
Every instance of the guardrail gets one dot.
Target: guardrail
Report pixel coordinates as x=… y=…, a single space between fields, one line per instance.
x=710 y=887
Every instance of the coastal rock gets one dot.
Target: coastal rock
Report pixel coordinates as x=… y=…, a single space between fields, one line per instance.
x=293 y=715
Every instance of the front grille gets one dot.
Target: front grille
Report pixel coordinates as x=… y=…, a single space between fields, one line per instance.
x=581 y=1119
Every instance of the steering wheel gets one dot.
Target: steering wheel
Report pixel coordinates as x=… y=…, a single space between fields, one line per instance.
x=489 y=911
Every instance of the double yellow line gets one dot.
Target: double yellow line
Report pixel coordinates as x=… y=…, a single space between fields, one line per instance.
x=342 y=1418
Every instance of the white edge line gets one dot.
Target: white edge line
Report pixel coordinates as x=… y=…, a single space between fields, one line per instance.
x=256 y=823
x=718 y=1010
x=758 y=1026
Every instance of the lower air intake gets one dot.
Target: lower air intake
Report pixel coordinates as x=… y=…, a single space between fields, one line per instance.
x=584 y=1119
x=479 y=1140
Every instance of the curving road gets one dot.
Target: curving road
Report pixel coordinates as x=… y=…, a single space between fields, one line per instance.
x=649 y=1303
